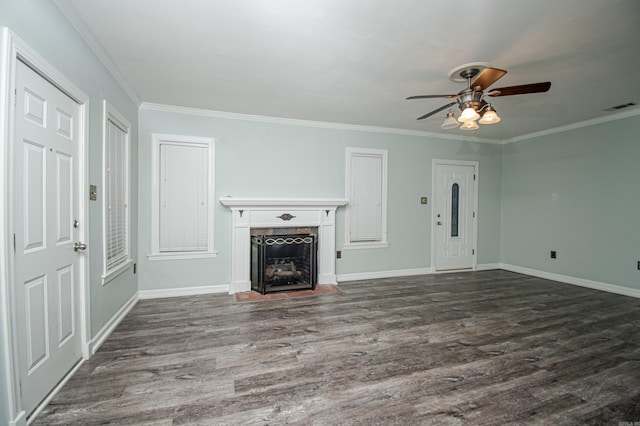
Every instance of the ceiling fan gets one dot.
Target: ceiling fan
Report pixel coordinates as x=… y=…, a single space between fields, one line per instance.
x=471 y=100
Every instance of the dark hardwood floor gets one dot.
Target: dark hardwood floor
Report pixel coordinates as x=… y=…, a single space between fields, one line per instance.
x=477 y=348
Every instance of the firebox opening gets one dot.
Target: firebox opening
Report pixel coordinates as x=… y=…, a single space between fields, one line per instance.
x=283 y=259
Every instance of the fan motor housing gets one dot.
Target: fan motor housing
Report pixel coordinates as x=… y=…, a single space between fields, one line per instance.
x=471 y=99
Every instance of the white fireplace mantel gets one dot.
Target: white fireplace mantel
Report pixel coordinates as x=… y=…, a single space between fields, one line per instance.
x=280 y=213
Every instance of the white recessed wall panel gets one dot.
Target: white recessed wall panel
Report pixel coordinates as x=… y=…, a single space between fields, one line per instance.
x=35 y=108
x=36 y=312
x=64 y=191
x=64 y=124
x=66 y=325
x=34 y=187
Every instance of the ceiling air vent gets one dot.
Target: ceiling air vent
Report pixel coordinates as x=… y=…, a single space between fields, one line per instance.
x=618 y=107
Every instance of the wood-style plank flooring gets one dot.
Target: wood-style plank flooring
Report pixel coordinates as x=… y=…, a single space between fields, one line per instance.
x=490 y=347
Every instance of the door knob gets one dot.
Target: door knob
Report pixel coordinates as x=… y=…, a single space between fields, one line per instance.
x=79 y=246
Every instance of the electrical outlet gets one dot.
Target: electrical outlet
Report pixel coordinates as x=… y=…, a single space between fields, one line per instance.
x=93 y=192
x=554 y=255
x=339 y=254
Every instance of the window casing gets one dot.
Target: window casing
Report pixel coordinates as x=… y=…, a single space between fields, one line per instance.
x=182 y=197
x=366 y=212
x=117 y=188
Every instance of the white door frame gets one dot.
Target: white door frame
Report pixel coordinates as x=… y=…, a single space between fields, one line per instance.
x=14 y=50
x=434 y=165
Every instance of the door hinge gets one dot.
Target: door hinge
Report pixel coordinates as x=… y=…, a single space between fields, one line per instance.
x=15 y=97
x=14 y=243
x=474 y=177
x=473 y=251
x=474 y=214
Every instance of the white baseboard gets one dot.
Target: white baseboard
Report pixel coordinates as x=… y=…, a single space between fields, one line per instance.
x=184 y=291
x=488 y=266
x=20 y=420
x=595 y=285
x=382 y=274
x=404 y=273
x=108 y=328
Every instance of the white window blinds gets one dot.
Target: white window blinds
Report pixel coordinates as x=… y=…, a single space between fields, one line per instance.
x=366 y=198
x=116 y=190
x=184 y=197
x=367 y=192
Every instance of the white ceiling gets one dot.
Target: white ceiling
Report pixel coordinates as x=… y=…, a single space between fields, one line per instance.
x=355 y=61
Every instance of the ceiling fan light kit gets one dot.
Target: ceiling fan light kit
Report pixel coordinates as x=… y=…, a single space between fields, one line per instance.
x=490 y=116
x=469 y=114
x=470 y=125
x=450 y=122
x=471 y=100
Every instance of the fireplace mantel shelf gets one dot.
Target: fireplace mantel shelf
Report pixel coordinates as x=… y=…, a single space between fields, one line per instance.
x=255 y=212
x=247 y=202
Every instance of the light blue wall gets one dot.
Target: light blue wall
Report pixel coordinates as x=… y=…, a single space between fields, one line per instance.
x=41 y=25
x=576 y=192
x=283 y=160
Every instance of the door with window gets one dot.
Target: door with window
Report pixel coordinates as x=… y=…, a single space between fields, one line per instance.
x=45 y=210
x=454 y=215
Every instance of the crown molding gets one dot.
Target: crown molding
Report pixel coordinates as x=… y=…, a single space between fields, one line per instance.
x=613 y=117
x=307 y=123
x=70 y=12
x=373 y=129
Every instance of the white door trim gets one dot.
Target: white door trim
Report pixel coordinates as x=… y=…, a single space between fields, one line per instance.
x=475 y=166
x=14 y=50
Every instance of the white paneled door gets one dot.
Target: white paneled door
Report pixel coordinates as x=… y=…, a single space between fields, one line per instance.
x=45 y=209
x=454 y=215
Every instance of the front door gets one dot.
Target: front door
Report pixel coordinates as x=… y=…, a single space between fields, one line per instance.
x=454 y=215
x=45 y=209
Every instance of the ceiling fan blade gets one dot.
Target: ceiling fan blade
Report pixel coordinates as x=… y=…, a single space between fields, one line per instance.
x=435 y=111
x=431 y=96
x=520 y=90
x=487 y=77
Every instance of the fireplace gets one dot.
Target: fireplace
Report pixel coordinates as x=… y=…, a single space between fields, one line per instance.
x=252 y=213
x=283 y=259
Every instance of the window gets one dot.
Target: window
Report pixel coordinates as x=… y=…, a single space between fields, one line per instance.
x=455 y=204
x=182 y=197
x=116 y=229
x=367 y=192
